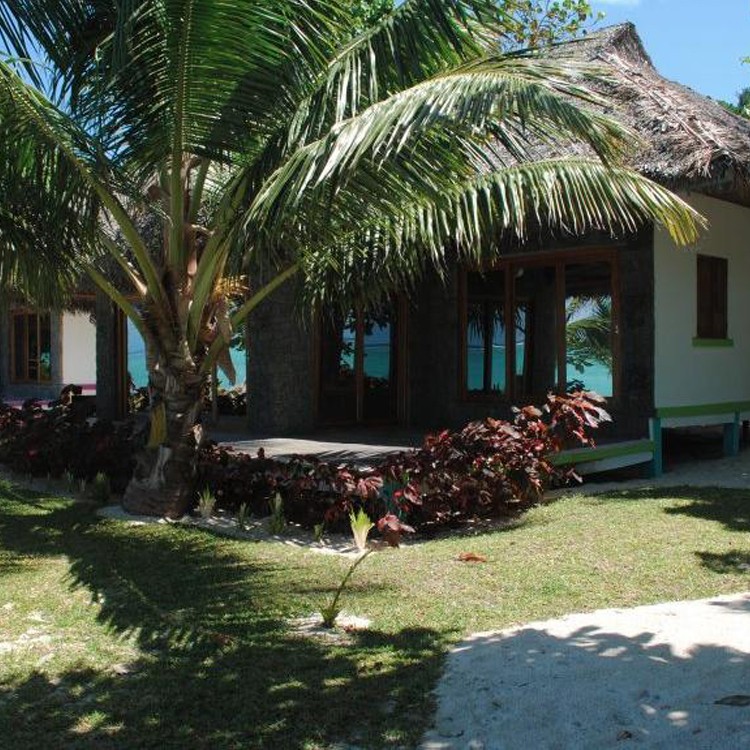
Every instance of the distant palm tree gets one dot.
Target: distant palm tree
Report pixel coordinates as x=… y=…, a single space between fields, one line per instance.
x=588 y=331
x=184 y=140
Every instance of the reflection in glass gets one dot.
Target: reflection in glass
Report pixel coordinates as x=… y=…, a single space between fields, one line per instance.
x=45 y=348
x=337 y=394
x=485 y=333
x=377 y=347
x=358 y=367
x=32 y=347
x=378 y=366
x=588 y=328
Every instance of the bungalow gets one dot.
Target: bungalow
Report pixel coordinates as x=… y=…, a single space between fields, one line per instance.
x=46 y=350
x=662 y=332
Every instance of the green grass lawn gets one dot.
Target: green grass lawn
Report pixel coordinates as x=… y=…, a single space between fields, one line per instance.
x=113 y=636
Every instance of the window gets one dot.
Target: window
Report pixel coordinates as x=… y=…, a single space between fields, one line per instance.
x=31 y=346
x=485 y=333
x=712 y=297
x=359 y=367
x=533 y=325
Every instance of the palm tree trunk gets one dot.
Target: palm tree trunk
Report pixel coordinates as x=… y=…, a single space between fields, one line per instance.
x=164 y=475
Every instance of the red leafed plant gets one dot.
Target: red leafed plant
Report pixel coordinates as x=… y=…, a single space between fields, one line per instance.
x=490 y=467
x=391 y=527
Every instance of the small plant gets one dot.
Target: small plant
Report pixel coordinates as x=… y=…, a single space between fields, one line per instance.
x=277 y=522
x=318 y=532
x=100 y=489
x=82 y=485
x=243 y=517
x=206 y=503
x=361 y=525
x=332 y=611
x=71 y=485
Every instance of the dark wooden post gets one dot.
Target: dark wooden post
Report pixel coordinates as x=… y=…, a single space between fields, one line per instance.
x=111 y=360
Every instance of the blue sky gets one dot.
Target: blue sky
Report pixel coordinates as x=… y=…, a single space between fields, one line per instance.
x=698 y=43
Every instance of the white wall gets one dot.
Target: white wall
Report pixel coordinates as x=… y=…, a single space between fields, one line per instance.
x=685 y=374
x=78 y=350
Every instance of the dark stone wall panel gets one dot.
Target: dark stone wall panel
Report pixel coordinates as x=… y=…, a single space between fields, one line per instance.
x=280 y=374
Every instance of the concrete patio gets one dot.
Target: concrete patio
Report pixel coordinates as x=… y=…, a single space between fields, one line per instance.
x=359 y=446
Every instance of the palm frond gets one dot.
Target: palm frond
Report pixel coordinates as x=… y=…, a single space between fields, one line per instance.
x=472 y=221
x=208 y=76
x=506 y=95
x=57 y=163
x=416 y=40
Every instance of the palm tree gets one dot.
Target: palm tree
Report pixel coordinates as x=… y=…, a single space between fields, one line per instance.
x=259 y=136
x=588 y=331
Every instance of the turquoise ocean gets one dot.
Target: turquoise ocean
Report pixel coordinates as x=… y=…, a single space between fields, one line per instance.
x=377 y=365
x=137 y=362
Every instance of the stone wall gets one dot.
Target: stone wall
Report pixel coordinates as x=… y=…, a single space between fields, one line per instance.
x=280 y=373
x=635 y=403
x=281 y=376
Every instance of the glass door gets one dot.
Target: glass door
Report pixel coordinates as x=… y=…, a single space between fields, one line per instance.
x=358 y=368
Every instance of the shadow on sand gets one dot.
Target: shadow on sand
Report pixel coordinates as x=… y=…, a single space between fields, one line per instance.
x=652 y=677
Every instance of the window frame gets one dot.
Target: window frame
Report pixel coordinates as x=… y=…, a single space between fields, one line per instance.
x=712 y=298
x=557 y=259
x=27 y=314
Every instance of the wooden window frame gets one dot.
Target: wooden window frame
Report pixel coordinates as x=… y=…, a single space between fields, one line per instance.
x=557 y=259
x=712 y=298
x=26 y=313
x=400 y=308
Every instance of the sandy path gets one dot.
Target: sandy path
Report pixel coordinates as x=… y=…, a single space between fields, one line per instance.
x=645 y=677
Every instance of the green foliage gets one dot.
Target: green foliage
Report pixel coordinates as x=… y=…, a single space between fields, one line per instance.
x=277 y=521
x=100 y=488
x=588 y=332
x=536 y=23
x=174 y=150
x=742 y=106
x=206 y=503
x=332 y=610
x=368 y=12
x=360 y=524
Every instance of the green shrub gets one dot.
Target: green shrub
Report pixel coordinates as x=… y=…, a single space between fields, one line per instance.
x=206 y=503
x=100 y=488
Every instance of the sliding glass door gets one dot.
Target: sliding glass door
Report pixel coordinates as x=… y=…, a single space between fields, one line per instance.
x=359 y=364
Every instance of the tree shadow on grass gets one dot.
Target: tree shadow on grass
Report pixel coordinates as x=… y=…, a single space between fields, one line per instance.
x=727 y=563
x=218 y=666
x=731 y=507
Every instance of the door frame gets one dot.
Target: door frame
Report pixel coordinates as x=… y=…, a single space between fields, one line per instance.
x=400 y=309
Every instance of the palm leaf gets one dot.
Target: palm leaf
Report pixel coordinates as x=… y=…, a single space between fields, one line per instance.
x=513 y=91
x=476 y=217
x=416 y=40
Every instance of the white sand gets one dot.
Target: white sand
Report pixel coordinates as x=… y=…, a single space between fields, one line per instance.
x=646 y=677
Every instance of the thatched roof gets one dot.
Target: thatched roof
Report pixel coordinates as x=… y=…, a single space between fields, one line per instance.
x=689 y=141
